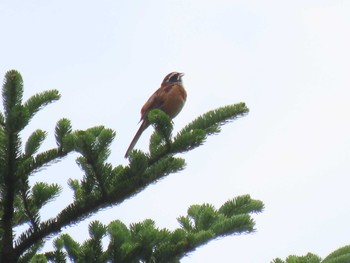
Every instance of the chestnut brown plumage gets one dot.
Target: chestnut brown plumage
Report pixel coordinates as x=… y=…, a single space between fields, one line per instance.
x=170 y=98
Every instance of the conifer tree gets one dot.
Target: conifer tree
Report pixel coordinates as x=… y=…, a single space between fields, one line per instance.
x=341 y=255
x=102 y=185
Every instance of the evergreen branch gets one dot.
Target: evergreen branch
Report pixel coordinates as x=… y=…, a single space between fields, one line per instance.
x=100 y=180
x=70 y=215
x=188 y=141
x=12 y=91
x=241 y=205
x=193 y=134
x=34 y=141
x=72 y=247
x=33 y=219
x=93 y=145
x=19 y=216
x=12 y=96
x=341 y=255
x=63 y=128
x=31 y=236
x=40 y=161
x=46 y=158
x=163 y=167
x=30 y=255
x=2 y=120
x=125 y=187
x=308 y=258
x=57 y=256
x=144 y=242
x=27 y=208
x=104 y=186
x=15 y=167
x=211 y=121
x=42 y=193
x=38 y=101
x=3 y=154
x=161 y=123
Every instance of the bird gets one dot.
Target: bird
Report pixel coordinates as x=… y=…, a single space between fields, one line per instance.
x=170 y=98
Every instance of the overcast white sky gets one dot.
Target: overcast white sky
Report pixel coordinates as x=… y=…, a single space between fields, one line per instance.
x=288 y=60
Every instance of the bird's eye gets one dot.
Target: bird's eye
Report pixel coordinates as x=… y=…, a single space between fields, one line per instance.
x=174 y=77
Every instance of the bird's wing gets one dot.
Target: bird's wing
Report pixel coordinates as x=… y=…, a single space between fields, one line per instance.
x=156 y=101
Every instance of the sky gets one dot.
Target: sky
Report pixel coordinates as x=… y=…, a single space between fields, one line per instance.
x=289 y=61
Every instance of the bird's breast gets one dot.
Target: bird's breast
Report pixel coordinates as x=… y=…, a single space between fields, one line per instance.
x=175 y=100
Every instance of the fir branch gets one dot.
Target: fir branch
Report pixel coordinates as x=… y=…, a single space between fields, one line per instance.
x=42 y=193
x=103 y=185
x=163 y=167
x=63 y=128
x=30 y=255
x=2 y=120
x=31 y=164
x=3 y=154
x=125 y=187
x=38 y=101
x=19 y=216
x=188 y=141
x=193 y=134
x=161 y=123
x=308 y=258
x=12 y=96
x=211 y=121
x=31 y=236
x=241 y=205
x=34 y=141
x=340 y=255
x=70 y=215
x=144 y=242
x=58 y=256
x=93 y=145
x=29 y=212
x=33 y=218
x=72 y=247
x=12 y=91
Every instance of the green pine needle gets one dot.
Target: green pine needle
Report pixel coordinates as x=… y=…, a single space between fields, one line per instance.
x=34 y=141
x=40 y=100
x=212 y=120
x=12 y=91
x=63 y=128
x=340 y=255
x=42 y=193
x=195 y=133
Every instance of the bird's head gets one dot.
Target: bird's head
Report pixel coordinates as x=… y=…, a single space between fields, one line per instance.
x=173 y=77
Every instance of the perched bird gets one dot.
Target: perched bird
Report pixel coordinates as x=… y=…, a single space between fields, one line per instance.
x=170 y=98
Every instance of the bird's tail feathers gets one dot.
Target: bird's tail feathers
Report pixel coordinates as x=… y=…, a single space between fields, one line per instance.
x=143 y=127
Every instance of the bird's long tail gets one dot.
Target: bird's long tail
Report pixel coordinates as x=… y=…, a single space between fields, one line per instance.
x=143 y=127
